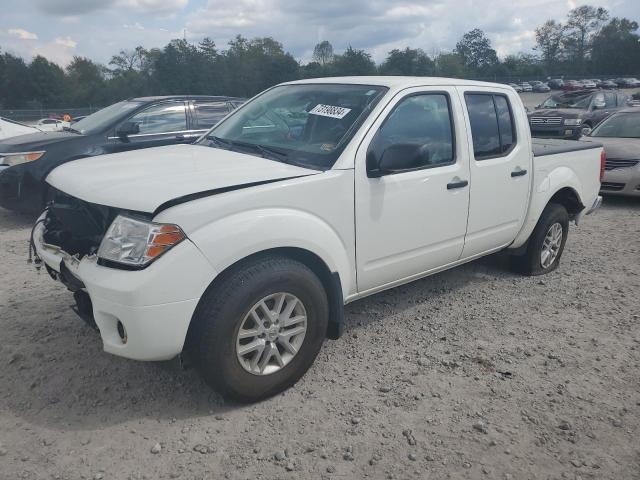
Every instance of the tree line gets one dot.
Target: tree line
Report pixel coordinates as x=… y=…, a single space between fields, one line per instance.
x=588 y=42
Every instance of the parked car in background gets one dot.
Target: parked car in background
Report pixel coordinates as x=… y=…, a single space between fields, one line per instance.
x=516 y=87
x=539 y=86
x=572 y=85
x=556 y=83
x=620 y=136
x=242 y=249
x=11 y=128
x=25 y=161
x=627 y=82
x=564 y=115
x=588 y=83
x=607 y=84
x=51 y=124
x=526 y=87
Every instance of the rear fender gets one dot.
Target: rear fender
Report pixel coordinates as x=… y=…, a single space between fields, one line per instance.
x=546 y=187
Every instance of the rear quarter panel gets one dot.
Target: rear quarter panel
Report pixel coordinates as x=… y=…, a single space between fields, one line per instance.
x=579 y=170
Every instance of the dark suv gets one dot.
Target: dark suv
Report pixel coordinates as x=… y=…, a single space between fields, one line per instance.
x=26 y=160
x=564 y=115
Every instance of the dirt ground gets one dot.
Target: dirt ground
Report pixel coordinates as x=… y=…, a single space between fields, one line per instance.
x=472 y=373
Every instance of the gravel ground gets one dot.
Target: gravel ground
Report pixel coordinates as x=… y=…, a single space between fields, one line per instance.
x=472 y=373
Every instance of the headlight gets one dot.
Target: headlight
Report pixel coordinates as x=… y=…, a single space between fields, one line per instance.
x=136 y=243
x=573 y=121
x=18 y=158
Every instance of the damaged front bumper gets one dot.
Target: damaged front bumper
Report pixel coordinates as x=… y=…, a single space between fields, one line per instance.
x=143 y=314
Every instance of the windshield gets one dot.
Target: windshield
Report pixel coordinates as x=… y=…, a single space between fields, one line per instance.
x=306 y=124
x=623 y=125
x=103 y=118
x=568 y=100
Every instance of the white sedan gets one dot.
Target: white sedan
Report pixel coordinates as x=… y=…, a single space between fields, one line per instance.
x=51 y=124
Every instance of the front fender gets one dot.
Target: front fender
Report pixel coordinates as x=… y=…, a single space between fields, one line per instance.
x=547 y=185
x=232 y=238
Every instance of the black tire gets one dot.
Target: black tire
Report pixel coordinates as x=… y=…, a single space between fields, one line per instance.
x=222 y=310
x=530 y=263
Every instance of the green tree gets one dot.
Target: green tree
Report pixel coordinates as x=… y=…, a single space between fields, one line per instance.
x=48 y=83
x=179 y=68
x=522 y=66
x=409 y=61
x=128 y=60
x=354 y=62
x=582 y=23
x=257 y=64
x=616 y=48
x=549 y=39
x=450 y=65
x=313 y=70
x=14 y=85
x=86 y=82
x=477 y=54
x=323 y=53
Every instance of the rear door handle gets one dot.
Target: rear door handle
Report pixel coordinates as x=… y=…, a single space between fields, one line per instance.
x=458 y=184
x=518 y=173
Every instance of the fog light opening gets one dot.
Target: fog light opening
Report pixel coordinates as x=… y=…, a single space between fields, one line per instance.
x=122 y=333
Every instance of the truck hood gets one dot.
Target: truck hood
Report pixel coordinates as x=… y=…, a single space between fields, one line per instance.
x=145 y=180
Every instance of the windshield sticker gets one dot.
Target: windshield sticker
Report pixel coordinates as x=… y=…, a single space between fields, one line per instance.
x=330 y=111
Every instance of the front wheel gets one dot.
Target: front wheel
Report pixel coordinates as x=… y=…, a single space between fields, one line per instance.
x=259 y=328
x=546 y=243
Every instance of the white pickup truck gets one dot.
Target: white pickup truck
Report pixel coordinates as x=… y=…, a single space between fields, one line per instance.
x=242 y=248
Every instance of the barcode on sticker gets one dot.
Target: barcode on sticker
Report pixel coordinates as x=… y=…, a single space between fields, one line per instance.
x=330 y=111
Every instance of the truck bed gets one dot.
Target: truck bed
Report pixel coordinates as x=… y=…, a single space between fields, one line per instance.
x=551 y=146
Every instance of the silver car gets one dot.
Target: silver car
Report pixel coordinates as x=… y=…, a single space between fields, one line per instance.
x=620 y=135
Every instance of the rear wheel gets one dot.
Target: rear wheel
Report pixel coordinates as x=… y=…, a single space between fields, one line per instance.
x=546 y=243
x=259 y=328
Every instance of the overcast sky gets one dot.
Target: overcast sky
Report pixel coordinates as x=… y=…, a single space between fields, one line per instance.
x=59 y=29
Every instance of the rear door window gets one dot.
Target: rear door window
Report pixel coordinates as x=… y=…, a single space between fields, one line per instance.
x=163 y=118
x=209 y=114
x=492 y=126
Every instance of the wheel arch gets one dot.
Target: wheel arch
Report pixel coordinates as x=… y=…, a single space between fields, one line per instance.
x=566 y=195
x=330 y=281
x=569 y=199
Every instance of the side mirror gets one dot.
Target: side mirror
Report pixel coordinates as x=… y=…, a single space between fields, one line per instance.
x=598 y=104
x=585 y=131
x=126 y=129
x=396 y=158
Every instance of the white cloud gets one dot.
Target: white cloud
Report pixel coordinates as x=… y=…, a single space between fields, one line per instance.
x=66 y=42
x=156 y=7
x=22 y=34
x=136 y=26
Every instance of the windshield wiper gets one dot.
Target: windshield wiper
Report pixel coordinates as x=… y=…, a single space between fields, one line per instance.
x=219 y=142
x=266 y=152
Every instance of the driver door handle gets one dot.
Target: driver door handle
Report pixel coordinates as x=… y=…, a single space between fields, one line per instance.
x=518 y=173
x=458 y=184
